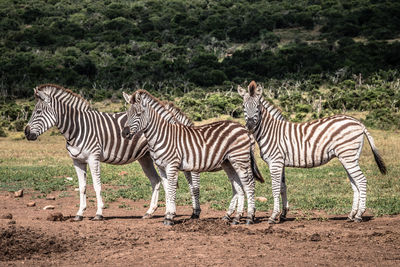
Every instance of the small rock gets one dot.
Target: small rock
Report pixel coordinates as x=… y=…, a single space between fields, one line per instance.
x=49 y=207
x=12 y=222
x=7 y=216
x=262 y=199
x=57 y=216
x=122 y=173
x=50 y=197
x=76 y=189
x=31 y=204
x=19 y=193
x=69 y=178
x=315 y=237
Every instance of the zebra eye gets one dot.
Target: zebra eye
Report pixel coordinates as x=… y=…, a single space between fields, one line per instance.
x=38 y=111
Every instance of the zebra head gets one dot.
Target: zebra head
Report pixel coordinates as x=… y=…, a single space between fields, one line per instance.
x=136 y=116
x=251 y=104
x=43 y=116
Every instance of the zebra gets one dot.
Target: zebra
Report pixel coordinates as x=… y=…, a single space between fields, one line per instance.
x=93 y=137
x=307 y=145
x=223 y=144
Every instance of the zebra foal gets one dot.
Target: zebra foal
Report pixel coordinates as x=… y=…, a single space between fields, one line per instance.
x=307 y=145
x=92 y=137
x=209 y=147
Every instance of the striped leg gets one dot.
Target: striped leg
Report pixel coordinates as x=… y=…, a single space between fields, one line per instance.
x=276 y=170
x=359 y=186
x=80 y=168
x=237 y=194
x=245 y=175
x=285 y=203
x=194 y=186
x=148 y=168
x=94 y=165
x=170 y=194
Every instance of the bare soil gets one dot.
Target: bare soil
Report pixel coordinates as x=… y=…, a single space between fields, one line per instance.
x=34 y=236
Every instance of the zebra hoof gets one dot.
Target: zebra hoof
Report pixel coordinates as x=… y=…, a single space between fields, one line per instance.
x=349 y=219
x=77 y=218
x=226 y=218
x=195 y=216
x=235 y=222
x=168 y=222
x=98 y=218
x=358 y=219
x=249 y=221
x=147 y=216
x=272 y=221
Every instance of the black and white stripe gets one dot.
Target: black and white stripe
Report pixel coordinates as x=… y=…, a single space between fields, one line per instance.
x=92 y=137
x=173 y=147
x=306 y=145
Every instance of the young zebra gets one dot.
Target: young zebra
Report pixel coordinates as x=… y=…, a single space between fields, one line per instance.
x=93 y=137
x=306 y=145
x=173 y=147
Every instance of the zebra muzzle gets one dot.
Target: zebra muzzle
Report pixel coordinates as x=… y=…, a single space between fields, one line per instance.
x=30 y=136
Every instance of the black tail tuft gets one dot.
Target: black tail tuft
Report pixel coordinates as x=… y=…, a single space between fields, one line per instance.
x=379 y=162
x=254 y=168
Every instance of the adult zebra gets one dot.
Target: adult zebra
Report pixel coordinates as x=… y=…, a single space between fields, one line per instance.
x=173 y=147
x=306 y=145
x=93 y=137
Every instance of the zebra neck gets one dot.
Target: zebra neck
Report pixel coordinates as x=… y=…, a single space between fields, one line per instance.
x=264 y=125
x=71 y=122
x=156 y=129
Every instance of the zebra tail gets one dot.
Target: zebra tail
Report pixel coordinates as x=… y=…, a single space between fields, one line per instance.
x=254 y=168
x=378 y=159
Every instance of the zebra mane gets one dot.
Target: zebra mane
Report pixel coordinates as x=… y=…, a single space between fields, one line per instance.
x=273 y=110
x=252 y=88
x=60 y=92
x=177 y=112
x=157 y=104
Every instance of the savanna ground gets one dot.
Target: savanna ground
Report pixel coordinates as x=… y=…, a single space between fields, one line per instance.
x=316 y=231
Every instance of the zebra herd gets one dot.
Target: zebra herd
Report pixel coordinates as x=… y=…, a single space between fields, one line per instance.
x=156 y=133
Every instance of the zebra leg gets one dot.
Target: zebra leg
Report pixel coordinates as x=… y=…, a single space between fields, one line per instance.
x=356 y=199
x=248 y=184
x=276 y=171
x=80 y=168
x=194 y=186
x=171 y=173
x=237 y=194
x=148 y=168
x=285 y=203
x=358 y=184
x=94 y=165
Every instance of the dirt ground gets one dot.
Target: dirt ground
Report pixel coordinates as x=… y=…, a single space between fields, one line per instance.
x=123 y=238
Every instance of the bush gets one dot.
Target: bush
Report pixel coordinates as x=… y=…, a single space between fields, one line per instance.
x=2 y=132
x=384 y=119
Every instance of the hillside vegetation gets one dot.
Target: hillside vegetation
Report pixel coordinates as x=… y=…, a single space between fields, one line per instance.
x=314 y=57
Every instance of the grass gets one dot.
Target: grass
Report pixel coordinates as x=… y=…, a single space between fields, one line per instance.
x=43 y=165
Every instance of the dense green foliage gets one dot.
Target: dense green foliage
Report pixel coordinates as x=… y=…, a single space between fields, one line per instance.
x=178 y=45
x=195 y=52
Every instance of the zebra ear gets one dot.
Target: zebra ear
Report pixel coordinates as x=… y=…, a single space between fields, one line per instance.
x=137 y=98
x=241 y=91
x=143 y=103
x=127 y=97
x=42 y=96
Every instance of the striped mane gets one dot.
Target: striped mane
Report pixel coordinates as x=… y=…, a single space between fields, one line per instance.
x=65 y=95
x=273 y=110
x=178 y=113
x=169 y=112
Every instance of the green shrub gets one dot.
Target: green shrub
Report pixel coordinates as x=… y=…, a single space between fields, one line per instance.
x=383 y=119
x=19 y=125
x=2 y=132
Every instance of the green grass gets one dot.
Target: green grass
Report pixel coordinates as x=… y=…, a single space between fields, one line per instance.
x=43 y=165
